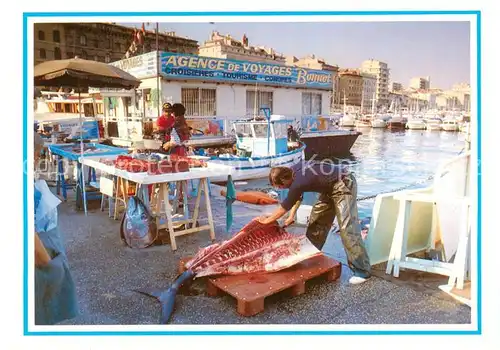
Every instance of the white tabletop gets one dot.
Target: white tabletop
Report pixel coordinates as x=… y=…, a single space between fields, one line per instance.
x=212 y=170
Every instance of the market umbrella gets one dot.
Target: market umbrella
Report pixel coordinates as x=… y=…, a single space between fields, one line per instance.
x=79 y=73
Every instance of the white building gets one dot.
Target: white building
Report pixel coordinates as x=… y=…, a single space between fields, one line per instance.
x=226 y=47
x=369 y=91
x=228 y=89
x=381 y=71
x=420 y=83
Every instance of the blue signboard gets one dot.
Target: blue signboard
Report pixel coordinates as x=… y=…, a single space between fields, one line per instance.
x=90 y=128
x=183 y=66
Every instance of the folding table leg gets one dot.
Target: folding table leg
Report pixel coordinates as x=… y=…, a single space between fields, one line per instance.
x=168 y=211
x=209 y=208
x=196 y=207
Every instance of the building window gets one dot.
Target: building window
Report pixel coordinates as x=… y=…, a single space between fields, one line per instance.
x=57 y=53
x=96 y=44
x=199 y=102
x=311 y=103
x=108 y=43
x=41 y=35
x=56 y=35
x=42 y=53
x=83 y=40
x=118 y=47
x=107 y=59
x=70 y=55
x=258 y=99
x=84 y=55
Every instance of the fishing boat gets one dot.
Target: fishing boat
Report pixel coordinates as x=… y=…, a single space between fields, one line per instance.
x=260 y=145
x=328 y=143
x=450 y=125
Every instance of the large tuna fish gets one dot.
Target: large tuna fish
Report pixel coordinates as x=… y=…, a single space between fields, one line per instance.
x=257 y=248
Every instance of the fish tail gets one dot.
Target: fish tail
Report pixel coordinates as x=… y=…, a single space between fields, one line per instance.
x=167 y=299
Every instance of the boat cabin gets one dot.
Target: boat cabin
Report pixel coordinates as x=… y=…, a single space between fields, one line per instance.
x=262 y=138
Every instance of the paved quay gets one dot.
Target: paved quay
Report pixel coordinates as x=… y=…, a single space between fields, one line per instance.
x=107 y=273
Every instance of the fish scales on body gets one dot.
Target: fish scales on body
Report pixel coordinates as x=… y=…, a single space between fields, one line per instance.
x=257 y=248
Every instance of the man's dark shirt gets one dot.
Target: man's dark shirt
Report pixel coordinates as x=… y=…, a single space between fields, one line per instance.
x=318 y=177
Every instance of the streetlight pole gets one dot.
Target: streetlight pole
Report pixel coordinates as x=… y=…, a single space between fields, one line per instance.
x=158 y=67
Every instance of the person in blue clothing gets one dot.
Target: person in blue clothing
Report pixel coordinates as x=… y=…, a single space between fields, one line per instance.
x=55 y=292
x=337 y=190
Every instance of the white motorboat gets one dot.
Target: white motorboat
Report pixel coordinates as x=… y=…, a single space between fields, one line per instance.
x=378 y=123
x=415 y=124
x=347 y=121
x=450 y=125
x=433 y=124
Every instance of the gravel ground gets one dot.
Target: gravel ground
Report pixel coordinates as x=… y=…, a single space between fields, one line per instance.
x=107 y=275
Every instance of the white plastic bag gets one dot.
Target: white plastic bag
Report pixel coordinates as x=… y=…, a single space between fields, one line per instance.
x=46 y=210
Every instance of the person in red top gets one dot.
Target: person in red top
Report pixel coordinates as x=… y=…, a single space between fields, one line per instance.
x=166 y=119
x=178 y=133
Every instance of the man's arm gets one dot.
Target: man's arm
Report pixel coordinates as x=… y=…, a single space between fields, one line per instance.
x=294 y=195
x=278 y=213
x=42 y=257
x=293 y=212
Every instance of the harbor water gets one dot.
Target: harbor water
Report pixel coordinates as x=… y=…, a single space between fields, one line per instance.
x=384 y=161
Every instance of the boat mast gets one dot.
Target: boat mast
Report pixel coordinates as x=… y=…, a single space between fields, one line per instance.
x=255 y=102
x=345 y=105
x=362 y=101
x=373 y=104
x=158 y=68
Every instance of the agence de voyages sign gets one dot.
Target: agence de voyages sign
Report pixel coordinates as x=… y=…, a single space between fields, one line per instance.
x=182 y=66
x=192 y=67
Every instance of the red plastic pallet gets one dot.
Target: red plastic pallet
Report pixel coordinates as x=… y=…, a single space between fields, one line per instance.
x=250 y=290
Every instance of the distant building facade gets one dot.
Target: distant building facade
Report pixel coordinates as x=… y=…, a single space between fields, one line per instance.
x=351 y=86
x=369 y=91
x=103 y=42
x=381 y=71
x=420 y=83
x=313 y=62
x=225 y=46
x=396 y=86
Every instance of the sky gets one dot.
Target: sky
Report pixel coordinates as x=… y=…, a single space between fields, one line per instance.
x=440 y=50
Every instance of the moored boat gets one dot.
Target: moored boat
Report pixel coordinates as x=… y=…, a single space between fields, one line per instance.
x=433 y=124
x=347 y=121
x=260 y=145
x=415 y=124
x=450 y=125
x=396 y=123
x=364 y=122
x=378 y=123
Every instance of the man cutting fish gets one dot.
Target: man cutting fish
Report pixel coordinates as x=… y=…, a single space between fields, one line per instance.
x=337 y=198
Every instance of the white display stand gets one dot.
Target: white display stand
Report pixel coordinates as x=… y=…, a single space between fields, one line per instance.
x=160 y=184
